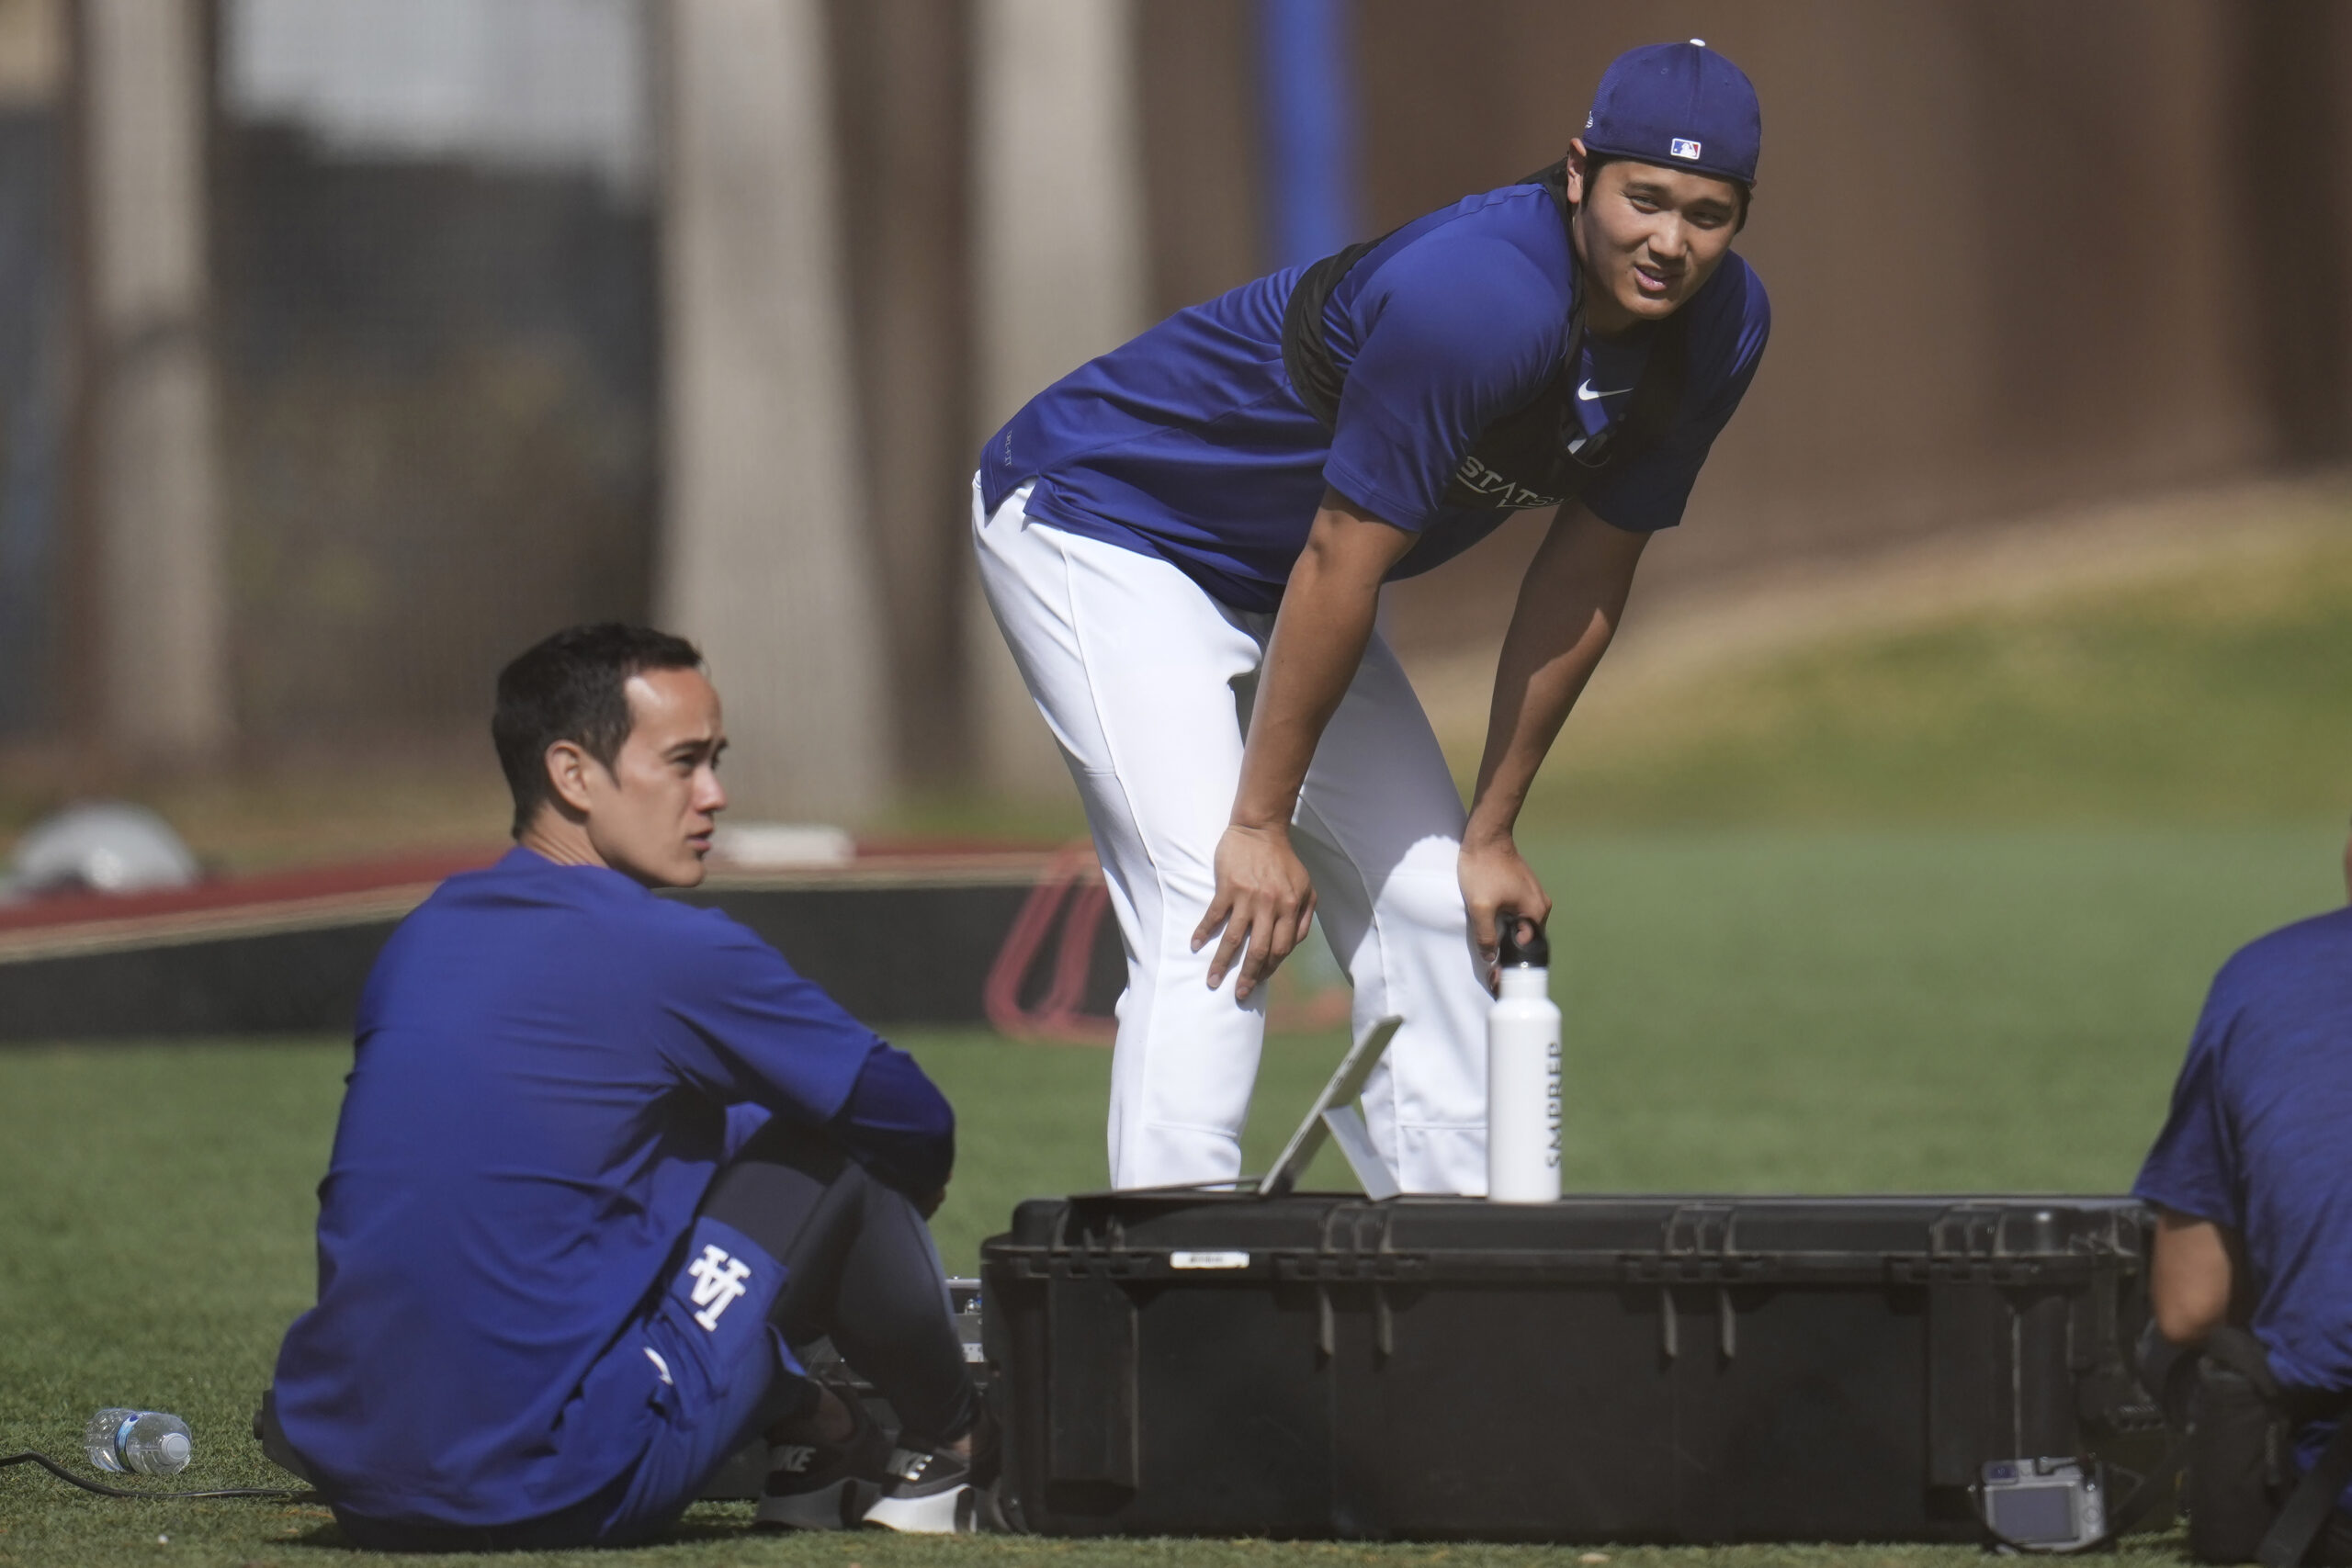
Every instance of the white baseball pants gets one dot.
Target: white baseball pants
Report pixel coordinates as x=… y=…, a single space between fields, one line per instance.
x=1147 y=683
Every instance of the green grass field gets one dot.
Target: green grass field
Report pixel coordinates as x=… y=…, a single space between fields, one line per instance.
x=1932 y=908
x=1748 y=1011
x=2219 y=691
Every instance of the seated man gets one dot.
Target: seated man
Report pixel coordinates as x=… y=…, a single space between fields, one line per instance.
x=603 y=1157
x=2251 y=1177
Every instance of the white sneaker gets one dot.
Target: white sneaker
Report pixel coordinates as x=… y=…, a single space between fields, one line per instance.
x=926 y=1493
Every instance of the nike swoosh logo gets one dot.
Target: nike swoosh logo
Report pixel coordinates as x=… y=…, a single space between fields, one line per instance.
x=1586 y=395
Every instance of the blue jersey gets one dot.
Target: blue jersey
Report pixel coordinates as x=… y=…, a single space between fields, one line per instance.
x=2261 y=1120
x=547 y=1056
x=1189 y=443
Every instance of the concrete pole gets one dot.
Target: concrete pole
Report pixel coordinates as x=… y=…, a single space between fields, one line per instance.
x=1058 y=272
x=764 y=558
x=161 y=647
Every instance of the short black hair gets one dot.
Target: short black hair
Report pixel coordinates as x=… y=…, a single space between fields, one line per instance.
x=1596 y=162
x=573 y=686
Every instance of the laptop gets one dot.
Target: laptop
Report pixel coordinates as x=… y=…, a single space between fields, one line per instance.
x=1335 y=1116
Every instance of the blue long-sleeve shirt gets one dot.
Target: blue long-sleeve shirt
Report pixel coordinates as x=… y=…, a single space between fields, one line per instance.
x=551 y=1064
x=2261 y=1118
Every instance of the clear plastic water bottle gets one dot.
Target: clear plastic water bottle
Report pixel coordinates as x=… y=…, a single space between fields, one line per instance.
x=148 y=1442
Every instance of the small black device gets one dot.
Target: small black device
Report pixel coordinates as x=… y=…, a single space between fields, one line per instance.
x=2044 y=1505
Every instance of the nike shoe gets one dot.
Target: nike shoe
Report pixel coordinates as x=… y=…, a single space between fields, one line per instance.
x=940 y=1494
x=825 y=1486
x=927 y=1493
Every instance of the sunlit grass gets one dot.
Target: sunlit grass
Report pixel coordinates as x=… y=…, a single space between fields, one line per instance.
x=2219 y=695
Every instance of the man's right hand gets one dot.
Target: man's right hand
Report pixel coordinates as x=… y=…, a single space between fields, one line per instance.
x=1264 y=901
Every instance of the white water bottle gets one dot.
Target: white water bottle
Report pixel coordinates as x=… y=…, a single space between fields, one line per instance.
x=1523 y=1072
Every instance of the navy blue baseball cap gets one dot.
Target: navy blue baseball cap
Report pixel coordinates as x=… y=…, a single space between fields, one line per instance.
x=1681 y=106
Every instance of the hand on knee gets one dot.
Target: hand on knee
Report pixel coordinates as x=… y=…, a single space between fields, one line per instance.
x=830 y=1421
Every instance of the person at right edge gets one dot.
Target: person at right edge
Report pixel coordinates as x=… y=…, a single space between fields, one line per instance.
x=2251 y=1277
x=1184 y=542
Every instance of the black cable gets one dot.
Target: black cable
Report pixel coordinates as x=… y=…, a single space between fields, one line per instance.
x=282 y=1493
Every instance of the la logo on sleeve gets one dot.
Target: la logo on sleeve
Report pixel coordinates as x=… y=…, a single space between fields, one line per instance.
x=718 y=1279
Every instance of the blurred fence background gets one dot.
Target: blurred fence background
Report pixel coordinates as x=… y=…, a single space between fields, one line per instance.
x=346 y=346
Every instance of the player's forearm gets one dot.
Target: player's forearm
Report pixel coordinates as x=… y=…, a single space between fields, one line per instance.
x=1568 y=609
x=2191 y=1277
x=1318 y=640
x=1328 y=609
x=1536 y=685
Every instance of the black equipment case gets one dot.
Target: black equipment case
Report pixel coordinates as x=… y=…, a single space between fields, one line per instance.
x=1602 y=1368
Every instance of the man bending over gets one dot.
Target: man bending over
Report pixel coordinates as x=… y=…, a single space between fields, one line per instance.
x=604 y=1157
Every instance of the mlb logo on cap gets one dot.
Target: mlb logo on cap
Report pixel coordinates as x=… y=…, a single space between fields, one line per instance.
x=1680 y=104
